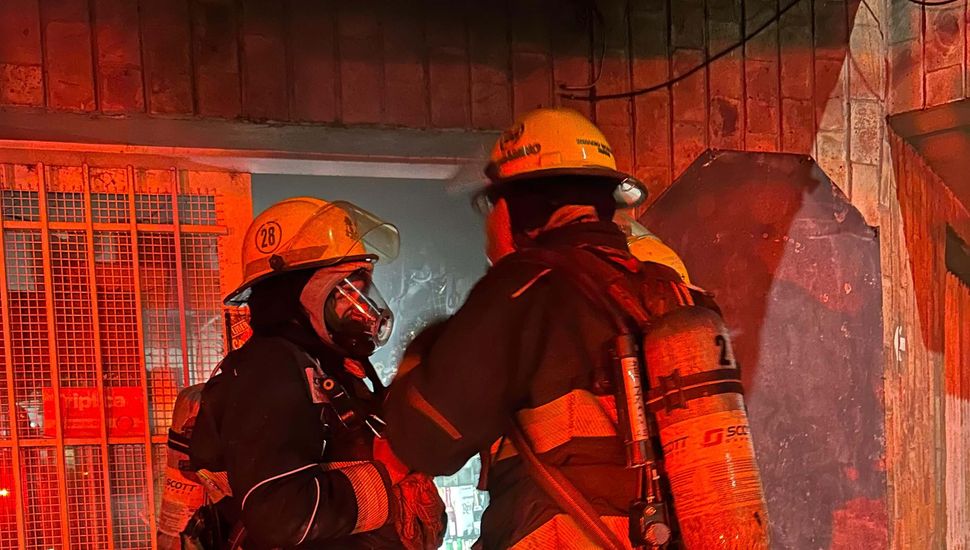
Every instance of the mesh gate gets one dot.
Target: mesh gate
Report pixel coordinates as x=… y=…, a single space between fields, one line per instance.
x=110 y=288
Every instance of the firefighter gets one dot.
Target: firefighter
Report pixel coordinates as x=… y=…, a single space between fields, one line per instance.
x=647 y=247
x=522 y=349
x=540 y=371
x=290 y=417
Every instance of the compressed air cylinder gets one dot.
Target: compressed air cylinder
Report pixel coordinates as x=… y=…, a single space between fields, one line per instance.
x=182 y=494
x=707 y=448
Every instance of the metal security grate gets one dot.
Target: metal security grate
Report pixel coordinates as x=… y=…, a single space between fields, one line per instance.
x=197 y=210
x=8 y=501
x=159 y=460
x=129 y=497
x=30 y=348
x=87 y=513
x=41 y=498
x=154 y=209
x=65 y=207
x=110 y=302
x=19 y=205
x=204 y=318
x=117 y=311
x=160 y=315
x=6 y=427
x=109 y=208
x=72 y=309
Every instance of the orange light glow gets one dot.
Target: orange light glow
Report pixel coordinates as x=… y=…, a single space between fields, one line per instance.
x=4 y=493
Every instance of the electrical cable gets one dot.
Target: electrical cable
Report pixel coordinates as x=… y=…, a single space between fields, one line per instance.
x=691 y=72
x=595 y=12
x=932 y=3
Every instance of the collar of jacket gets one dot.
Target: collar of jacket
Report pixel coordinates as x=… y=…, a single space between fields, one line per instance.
x=599 y=234
x=303 y=336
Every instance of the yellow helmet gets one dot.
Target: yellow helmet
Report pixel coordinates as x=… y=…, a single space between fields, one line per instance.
x=550 y=142
x=306 y=232
x=649 y=248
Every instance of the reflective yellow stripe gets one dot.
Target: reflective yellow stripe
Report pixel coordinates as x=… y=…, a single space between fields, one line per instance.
x=562 y=533
x=579 y=413
x=373 y=498
x=519 y=292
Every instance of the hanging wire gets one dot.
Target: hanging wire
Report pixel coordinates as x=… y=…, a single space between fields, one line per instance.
x=694 y=70
x=932 y=3
x=598 y=18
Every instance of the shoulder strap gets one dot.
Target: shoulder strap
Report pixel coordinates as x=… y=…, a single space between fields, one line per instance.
x=329 y=391
x=592 y=275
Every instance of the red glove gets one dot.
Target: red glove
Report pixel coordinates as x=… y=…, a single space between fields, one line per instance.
x=419 y=513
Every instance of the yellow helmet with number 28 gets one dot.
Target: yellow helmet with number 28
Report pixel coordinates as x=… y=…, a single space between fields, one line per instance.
x=306 y=233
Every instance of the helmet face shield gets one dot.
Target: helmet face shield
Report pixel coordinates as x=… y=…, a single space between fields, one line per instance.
x=378 y=236
x=353 y=230
x=356 y=315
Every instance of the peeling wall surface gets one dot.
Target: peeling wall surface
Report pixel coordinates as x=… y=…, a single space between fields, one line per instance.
x=796 y=270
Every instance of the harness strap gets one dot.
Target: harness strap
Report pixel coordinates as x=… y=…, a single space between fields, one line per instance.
x=566 y=495
x=675 y=390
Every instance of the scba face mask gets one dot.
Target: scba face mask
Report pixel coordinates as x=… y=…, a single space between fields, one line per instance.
x=356 y=315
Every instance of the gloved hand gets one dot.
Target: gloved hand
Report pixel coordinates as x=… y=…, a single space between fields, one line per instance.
x=419 y=513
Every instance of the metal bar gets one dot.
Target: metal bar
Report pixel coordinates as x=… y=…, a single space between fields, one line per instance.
x=11 y=392
x=73 y=441
x=143 y=370
x=179 y=276
x=13 y=224
x=214 y=229
x=82 y=226
x=42 y=172
x=98 y=359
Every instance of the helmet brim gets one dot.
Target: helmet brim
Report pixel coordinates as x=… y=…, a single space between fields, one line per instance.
x=240 y=296
x=630 y=198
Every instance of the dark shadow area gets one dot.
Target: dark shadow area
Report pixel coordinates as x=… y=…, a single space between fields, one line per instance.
x=797 y=273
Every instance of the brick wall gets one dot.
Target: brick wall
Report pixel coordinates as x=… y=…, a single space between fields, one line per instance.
x=447 y=65
x=814 y=83
x=927 y=55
